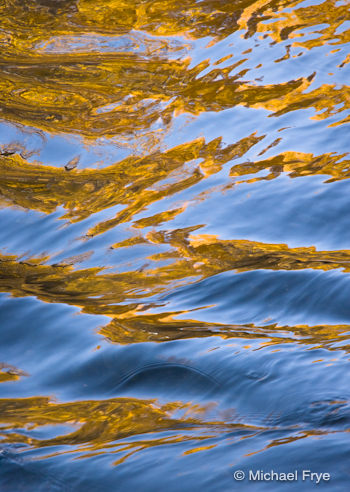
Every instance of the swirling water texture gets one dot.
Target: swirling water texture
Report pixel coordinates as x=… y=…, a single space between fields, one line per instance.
x=174 y=264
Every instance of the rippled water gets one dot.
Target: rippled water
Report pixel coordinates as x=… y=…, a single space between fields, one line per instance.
x=175 y=244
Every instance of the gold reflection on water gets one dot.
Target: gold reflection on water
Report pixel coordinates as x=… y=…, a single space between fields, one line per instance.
x=137 y=182
x=67 y=93
x=124 y=70
x=199 y=19
x=102 y=293
x=103 y=425
x=99 y=292
x=125 y=426
x=296 y=164
x=329 y=14
x=130 y=182
x=6 y=376
x=10 y=373
x=164 y=327
x=110 y=85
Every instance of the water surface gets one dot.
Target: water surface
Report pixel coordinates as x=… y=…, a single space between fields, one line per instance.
x=174 y=244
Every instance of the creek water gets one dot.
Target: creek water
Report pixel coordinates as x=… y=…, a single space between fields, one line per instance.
x=174 y=245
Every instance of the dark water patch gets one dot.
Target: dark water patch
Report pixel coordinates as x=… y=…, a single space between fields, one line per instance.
x=169 y=378
x=271 y=297
x=20 y=475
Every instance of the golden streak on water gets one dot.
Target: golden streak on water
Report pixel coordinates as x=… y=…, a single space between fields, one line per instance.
x=122 y=71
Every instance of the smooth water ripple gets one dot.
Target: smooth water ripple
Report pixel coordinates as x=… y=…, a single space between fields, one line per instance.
x=174 y=244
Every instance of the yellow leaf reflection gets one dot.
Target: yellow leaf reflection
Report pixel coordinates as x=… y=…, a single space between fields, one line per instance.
x=10 y=373
x=135 y=182
x=108 y=424
x=75 y=71
x=123 y=296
